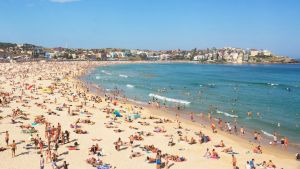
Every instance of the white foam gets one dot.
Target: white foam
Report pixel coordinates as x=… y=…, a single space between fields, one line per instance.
x=97 y=77
x=227 y=114
x=169 y=99
x=130 y=86
x=105 y=72
x=266 y=133
x=125 y=76
x=273 y=84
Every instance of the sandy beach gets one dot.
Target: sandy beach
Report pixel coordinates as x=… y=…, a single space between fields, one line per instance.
x=47 y=111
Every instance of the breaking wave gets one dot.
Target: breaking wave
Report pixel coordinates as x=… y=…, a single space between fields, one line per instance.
x=169 y=99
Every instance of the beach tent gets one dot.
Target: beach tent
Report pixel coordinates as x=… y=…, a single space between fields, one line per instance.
x=117 y=113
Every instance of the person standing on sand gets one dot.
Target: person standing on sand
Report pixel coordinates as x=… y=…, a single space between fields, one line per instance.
x=65 y=165
x=234 y=161
x=13 y=149
x=158 y=160
x=201 y=116
x=131 y=139
x=213 y=127
x=6 y=137
x=286 y=141
x=42 y=162
x=242 y=131
x=192 y=116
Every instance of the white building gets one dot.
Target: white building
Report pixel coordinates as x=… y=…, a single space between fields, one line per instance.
x=254 y=52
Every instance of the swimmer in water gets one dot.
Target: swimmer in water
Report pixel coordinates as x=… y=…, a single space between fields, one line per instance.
x=258 y=114
x=249 y=114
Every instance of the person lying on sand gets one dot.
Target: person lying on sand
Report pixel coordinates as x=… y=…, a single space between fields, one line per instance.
x=174 y=158
x=159 y=130
x=159 y=121
x=143 y=133
x=95 y=149
x=150 y=159
x=2 y=149
x=221 y=144
x=150 y=148
x=257 y=149
x=80 y=131
x=227 y=150
x=135 y=154
x=118 y=130
x=110 y=126
x=87 y=121
x=138 y=137
x=144 y=123
x=271 y=165
x=94 y=162
x=27 y=126
x=135 y=128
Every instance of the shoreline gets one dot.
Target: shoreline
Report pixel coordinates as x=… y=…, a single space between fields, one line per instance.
x=68 y=91
x=184 y=115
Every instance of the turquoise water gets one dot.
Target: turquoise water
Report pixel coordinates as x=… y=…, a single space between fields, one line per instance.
x=227 y=90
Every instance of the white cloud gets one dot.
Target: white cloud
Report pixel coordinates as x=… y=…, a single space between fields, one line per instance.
x=63 y=1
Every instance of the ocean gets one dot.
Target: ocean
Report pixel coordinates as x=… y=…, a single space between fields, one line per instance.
x=228 y=91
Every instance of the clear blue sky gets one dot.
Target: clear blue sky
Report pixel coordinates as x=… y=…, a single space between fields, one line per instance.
x=154 y=24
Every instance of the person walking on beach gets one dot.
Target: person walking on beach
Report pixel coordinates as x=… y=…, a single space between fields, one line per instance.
x=234 y=161
x=42 y=162
x=13 y=149
x=6 y=137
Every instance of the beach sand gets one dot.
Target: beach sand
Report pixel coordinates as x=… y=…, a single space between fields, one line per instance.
x=38 y=88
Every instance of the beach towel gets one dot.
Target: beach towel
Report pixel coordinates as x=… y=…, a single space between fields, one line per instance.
x=103 y=167
x=72 y=148
x=135 y=116
x=34 y=124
